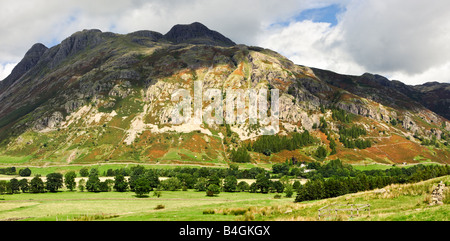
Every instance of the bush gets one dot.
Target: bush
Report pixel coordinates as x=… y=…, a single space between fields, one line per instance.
x=209 y=211
x=160 y=206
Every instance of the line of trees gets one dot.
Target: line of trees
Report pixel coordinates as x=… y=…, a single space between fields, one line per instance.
x=24 y=172
x=329 y=180
x=349 y=137
x=342 y=179
x=240 y=155
x=142 y=181
x=273 y=143
x=340 y=115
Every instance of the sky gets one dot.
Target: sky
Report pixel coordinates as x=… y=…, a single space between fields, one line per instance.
x=405 y=40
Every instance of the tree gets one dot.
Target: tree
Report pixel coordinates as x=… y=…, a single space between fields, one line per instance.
x=84 y=172
x=24 y=186
x=312 y=190
x=212 y=190
x=93 y=182
x=3 y=186
x=243 y=186
x=26 y=172
x=253 y=187
x=280 y=168
x=187 y=180
x=288 y=190
x=136 y=173
x=277 y=186
x=69 y=180
x=13 y=186
x=171 y=184
x=106 y=185
x=321 y=152
x=152 y=177
x=54 y=182
x=201 y=184
x=296 y=185
x=263 y=183
x=120 y=184
x=230 y=184
x=214 y=179
x=37 y=185
x=81 y=185
x=240 y=155
x=142 y=187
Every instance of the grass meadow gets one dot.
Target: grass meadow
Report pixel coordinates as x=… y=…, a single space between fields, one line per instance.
x=405 y=202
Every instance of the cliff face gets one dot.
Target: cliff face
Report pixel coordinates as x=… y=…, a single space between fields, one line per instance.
x=103 y=96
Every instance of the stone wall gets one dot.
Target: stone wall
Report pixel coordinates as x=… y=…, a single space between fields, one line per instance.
x=437 y=196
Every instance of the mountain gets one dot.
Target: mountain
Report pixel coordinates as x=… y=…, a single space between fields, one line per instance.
x=104 y=97
x=29 y=61
x=433 y=95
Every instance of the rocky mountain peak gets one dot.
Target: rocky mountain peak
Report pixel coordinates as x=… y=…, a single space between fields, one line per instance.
x=74 y=44
x=197 y=33
x=30 y=59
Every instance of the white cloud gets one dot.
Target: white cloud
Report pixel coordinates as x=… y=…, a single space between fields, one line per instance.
x=396 y=38
x=439 y=73
x=410 y=36
x=311 y=44
x=404 y=40
x=5 y=70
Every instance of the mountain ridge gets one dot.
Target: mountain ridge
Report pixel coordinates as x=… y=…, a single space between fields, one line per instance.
x=100 y=96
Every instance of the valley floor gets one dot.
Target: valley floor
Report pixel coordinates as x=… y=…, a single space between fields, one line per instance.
x=405 y=202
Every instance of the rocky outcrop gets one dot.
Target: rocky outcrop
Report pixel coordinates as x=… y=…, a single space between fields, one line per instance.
x=30 y=59
x=197 y=33
x=74 y=44
x=436 y=97
x=51 y=121
x=437 y=196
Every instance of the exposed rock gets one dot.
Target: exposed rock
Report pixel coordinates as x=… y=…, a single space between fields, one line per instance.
x=74 y=44
x=437 y=196
x=196 y=33
x=49 y=122
x=30 y=59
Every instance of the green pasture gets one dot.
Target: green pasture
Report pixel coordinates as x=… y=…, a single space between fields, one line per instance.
x=400 y=202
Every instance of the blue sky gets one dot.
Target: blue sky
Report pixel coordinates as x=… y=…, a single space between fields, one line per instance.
x=326 y=14
x=405 y=40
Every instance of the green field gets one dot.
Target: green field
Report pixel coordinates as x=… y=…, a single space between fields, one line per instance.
x=405 y=202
